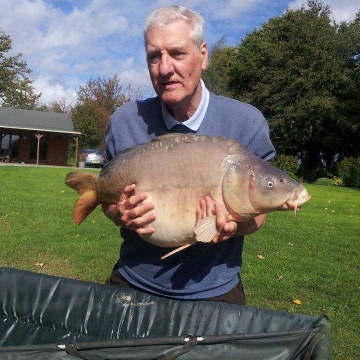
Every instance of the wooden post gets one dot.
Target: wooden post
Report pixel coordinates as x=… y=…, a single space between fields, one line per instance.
x=76 y=149
x=38 y=136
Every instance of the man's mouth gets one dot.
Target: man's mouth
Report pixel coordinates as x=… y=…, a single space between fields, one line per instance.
x=167 y=82
x=169 y=85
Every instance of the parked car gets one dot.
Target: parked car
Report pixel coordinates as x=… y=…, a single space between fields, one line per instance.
x=95 y=158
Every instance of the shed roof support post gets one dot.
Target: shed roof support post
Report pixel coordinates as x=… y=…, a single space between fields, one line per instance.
x=38 y=136
x=76 y=149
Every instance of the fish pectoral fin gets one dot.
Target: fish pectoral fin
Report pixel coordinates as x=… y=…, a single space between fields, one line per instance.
x=206 y=229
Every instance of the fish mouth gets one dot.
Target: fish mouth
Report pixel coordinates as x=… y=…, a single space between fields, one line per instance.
x=296 y=200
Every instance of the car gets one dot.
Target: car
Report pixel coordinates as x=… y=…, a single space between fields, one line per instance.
x=96 y=158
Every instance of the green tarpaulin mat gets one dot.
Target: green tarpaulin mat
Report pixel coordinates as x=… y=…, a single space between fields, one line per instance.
x=47 y=317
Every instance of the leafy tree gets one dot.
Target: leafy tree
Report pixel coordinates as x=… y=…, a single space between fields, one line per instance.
x=21 y=95
x=349 y=171
x=302 y=70
x=86 y=120
x=349 y=93
x=216 y=76
x=16 y=88
x=56 y=106
x=60 y=107
x=96 y=102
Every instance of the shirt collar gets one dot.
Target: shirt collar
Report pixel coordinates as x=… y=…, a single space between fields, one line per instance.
x=195 y=121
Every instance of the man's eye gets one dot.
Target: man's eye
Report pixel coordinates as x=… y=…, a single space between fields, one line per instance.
x=152 y=57
x=178 y=55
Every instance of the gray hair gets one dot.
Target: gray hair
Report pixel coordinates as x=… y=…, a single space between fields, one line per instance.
x=167 y=14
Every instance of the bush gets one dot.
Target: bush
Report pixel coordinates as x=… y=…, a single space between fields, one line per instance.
x=338 y=181
x=349 y=171
x=325 y=182
x=287 y=163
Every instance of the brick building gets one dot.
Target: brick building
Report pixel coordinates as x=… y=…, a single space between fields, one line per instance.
x=36 y=137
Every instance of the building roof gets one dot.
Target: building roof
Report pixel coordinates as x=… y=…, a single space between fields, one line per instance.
x=32 y=120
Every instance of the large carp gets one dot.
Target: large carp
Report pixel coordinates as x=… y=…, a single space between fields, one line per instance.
x=177 y=171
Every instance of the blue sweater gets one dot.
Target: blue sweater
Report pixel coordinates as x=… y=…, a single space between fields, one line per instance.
x=202 y=270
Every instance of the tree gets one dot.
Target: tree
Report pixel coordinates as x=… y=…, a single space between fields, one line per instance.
x=60 y=107
x=298 y=69
x=216 y=75
x=16 y=88
x=349 y=94
x=21 y=95
x=96 y=102
x=86 y=120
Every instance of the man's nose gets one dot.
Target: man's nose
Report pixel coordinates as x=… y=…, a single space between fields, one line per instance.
x=166 y=65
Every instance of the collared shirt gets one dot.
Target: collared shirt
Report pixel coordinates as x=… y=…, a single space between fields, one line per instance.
x=195 y=121
x=202 y=270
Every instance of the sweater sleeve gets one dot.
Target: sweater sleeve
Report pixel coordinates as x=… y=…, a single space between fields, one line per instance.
x=261 y=145
x=110 y=142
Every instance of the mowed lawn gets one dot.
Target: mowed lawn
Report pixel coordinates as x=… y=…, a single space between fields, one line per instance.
x=312 y=258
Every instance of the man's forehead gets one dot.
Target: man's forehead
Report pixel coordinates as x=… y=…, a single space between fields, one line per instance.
x=176 y=45
x=163 y=38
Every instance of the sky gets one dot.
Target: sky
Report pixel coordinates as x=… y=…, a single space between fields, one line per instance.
x=67 y=42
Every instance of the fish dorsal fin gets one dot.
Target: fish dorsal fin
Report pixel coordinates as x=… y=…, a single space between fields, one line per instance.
x=167 y=136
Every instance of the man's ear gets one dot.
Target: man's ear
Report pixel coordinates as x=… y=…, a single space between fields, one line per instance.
x=204 y=54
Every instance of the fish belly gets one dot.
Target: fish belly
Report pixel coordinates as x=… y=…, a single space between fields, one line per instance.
x=175 y=211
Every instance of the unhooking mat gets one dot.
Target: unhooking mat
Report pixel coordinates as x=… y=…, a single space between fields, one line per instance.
x=47 y=317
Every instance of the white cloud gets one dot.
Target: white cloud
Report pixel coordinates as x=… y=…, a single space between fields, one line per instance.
x=52 y=91
x=54 y=63
x=67 y=42
x=341 y=10
x=129 y=61
x=232 y=8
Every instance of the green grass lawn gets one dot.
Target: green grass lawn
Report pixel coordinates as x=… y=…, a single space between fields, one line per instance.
x=312 y=257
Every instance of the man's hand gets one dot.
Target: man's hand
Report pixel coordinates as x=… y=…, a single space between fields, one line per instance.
x=131 y=212
x=227 y=228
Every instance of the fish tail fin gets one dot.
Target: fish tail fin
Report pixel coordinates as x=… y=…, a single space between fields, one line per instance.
x=86 y=203
x=85 y=185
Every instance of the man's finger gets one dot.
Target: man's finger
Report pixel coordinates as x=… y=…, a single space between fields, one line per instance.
x=199 y=216
x=128 y=191
x=135 y=200
x=138 y=211
x=230 y=228
x=148 y=230
x=141 y=222
x=209 y=206
x=220 y=217
x=203 y=209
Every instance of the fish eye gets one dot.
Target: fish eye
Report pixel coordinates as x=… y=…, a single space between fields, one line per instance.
x=270 y=183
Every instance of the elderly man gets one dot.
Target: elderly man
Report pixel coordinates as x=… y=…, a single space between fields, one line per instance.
x=176 y=56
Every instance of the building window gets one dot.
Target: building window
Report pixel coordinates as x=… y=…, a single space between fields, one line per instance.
x=10 y=141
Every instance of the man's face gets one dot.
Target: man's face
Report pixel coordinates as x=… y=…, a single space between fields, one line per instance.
x=174 y=63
